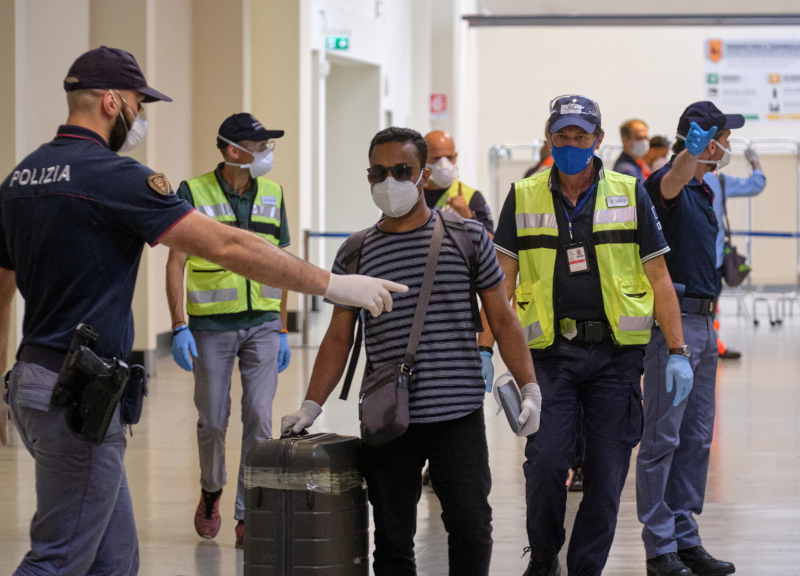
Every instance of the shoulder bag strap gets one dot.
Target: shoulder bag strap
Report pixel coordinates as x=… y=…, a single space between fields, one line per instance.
x=424 y=294
x=726 y=226
x=351 y=259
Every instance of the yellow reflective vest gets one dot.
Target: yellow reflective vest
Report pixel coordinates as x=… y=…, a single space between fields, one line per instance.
x=627 y=294
x=215 y=290
x=455 y=188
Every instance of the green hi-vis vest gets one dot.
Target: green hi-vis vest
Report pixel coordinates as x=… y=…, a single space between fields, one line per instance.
x=456 y=187
x=627 y=294
x=214 y=290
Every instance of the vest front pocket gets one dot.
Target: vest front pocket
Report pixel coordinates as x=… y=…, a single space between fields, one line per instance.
x=635 y=303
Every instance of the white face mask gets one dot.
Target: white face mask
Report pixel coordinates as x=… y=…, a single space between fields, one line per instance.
x=640 y=148
x=262 y=161
x=443 y=172
x=396 y=199
x=136 y=132
x=722 y=162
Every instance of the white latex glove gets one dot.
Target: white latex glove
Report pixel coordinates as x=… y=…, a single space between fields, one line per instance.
x=374 y=294
x=5 y=417
x=531 y=409
x=751 y=155
x=303 y=418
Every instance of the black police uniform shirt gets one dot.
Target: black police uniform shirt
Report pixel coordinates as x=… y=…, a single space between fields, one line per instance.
x=690 y=227
x=579 y=296
x=74 y=217
x=480 y=209
x=625 y=164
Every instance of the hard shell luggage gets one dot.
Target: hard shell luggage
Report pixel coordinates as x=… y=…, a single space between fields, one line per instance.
x=305 y=508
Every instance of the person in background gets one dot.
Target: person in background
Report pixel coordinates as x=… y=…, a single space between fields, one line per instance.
x=672 y=465
x=545 y=157
x=444 y=191
x=231 y=317
x=634 y=146
x=724 y=187
x=656 y=156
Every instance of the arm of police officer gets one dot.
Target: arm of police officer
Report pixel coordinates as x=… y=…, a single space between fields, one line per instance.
x=685 y=164
x=328 y=369
x=8 y=287
x=667 y=310
x=253 y=257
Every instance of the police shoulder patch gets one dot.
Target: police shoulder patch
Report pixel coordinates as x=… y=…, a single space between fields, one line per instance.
x=159 y=183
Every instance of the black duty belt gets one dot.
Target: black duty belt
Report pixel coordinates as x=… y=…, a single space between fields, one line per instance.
x=45 y=357
x=589 y=331
x=701 y=306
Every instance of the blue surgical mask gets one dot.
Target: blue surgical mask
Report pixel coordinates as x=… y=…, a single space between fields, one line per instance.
x=570 y=159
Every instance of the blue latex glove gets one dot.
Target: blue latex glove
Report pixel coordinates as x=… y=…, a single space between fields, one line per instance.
x=697 y=139
x=487 y=369
x=284 y=354
x=680 y=372
x=182 y=343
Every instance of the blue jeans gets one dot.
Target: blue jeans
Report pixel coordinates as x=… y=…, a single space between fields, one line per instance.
x=672 y=464
x=605 y=380
x=84 y=518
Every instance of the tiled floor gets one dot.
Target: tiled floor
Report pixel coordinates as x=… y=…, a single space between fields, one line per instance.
x=752 y=513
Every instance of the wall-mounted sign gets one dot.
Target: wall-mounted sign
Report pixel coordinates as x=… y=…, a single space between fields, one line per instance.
x=757 y=78
x=337 y=42
x=438 y=106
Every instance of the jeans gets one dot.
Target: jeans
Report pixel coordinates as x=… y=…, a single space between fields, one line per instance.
x=605 y=380
x=257 y=350
x=459 y=469
x=672 y=464
x=84 y=518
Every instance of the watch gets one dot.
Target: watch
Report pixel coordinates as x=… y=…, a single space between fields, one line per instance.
x=681 y=351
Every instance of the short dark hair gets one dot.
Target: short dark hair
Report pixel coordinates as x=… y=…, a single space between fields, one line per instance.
x=659 y=142
x=625 y=129
x=395 y=134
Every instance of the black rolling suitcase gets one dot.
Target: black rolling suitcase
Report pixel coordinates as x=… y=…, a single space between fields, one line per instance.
x=305 y=508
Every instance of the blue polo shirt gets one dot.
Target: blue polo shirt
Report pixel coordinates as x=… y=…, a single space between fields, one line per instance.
x=625 y=164
x=690 y=227
x=580 y=296
x=74 y=218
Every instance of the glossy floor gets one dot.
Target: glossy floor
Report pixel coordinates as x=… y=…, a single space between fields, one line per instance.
x=752 y=513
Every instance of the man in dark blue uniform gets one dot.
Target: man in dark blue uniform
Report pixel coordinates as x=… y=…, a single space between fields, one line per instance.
x=673 y=457
x=74 y=217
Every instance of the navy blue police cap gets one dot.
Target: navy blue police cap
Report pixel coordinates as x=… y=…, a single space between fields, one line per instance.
x=706 y=114
x=110 y=69
x=574 y=110
x=244 y=126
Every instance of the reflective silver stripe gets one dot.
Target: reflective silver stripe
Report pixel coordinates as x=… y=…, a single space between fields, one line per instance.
x=536 y=221
x=209 y=296
x=265 y=211
x=270 y=292
x=534 y=331
x=635 y=323
x=615 y=215
x=216 y=210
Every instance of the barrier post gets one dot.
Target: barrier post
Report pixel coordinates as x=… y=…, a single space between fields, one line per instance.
x=306 y=237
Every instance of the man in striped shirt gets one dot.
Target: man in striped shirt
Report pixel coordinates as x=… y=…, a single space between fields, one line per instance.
x=447 y=391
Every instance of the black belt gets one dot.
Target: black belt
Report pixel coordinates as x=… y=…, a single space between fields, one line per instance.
x=45 y=357
x=701 y=306
x=591 y=330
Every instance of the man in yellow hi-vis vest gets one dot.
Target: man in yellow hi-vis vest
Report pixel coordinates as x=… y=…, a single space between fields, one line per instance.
x=230 y=316
x=588 y=249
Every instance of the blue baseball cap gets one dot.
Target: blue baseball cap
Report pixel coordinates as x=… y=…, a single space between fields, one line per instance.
x=244 y=126
x=706 y=115
x=574 y=110
x=110 y=69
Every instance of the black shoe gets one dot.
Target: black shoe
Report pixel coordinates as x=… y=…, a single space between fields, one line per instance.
x=549 y=568
x=703 y=564
x=577 y=481
x=730 y=355
x=667 y=565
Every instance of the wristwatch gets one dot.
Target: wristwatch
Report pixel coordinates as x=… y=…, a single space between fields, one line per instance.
x=681 y=351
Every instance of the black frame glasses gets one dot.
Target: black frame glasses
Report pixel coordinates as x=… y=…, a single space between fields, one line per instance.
x=400 y=172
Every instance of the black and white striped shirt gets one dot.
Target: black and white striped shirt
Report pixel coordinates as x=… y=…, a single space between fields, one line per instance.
x=446 y=380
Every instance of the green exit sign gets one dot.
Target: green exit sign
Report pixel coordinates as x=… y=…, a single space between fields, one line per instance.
x=337 y=42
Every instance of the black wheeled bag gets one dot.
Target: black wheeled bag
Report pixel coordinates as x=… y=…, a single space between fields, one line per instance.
x=305 y=508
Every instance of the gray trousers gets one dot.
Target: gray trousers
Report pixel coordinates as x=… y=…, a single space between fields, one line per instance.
x=257 y=350
x=673 y=456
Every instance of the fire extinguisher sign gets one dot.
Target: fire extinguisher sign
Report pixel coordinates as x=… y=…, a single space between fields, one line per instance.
x=438 y=106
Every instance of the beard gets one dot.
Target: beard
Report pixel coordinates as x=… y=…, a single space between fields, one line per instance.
x=119 y=132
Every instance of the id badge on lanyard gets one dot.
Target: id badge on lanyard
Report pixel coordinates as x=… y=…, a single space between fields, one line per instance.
x=577 y=259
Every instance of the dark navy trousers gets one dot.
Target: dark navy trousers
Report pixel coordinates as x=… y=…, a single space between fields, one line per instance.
x=605 y=380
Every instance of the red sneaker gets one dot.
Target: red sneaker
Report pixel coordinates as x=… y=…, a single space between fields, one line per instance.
x=207 y=519
x=240 y=534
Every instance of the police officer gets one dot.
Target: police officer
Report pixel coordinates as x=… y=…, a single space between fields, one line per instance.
x=230 y=316
x=673 y=459
x=589 y=253
x=74 y=218
x=444 y=190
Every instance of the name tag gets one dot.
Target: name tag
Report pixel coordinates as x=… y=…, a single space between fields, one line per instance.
x=576 y=255
x=272 y=201
x=616 y=201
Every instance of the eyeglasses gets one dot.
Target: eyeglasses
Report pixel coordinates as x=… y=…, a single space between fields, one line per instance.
x=588 y=106
x=261 y=147
x=400 y=172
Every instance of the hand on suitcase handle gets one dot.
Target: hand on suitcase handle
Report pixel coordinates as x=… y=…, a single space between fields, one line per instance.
x=298 y=421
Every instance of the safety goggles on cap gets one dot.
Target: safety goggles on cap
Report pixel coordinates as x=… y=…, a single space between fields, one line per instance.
x=574 y=110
